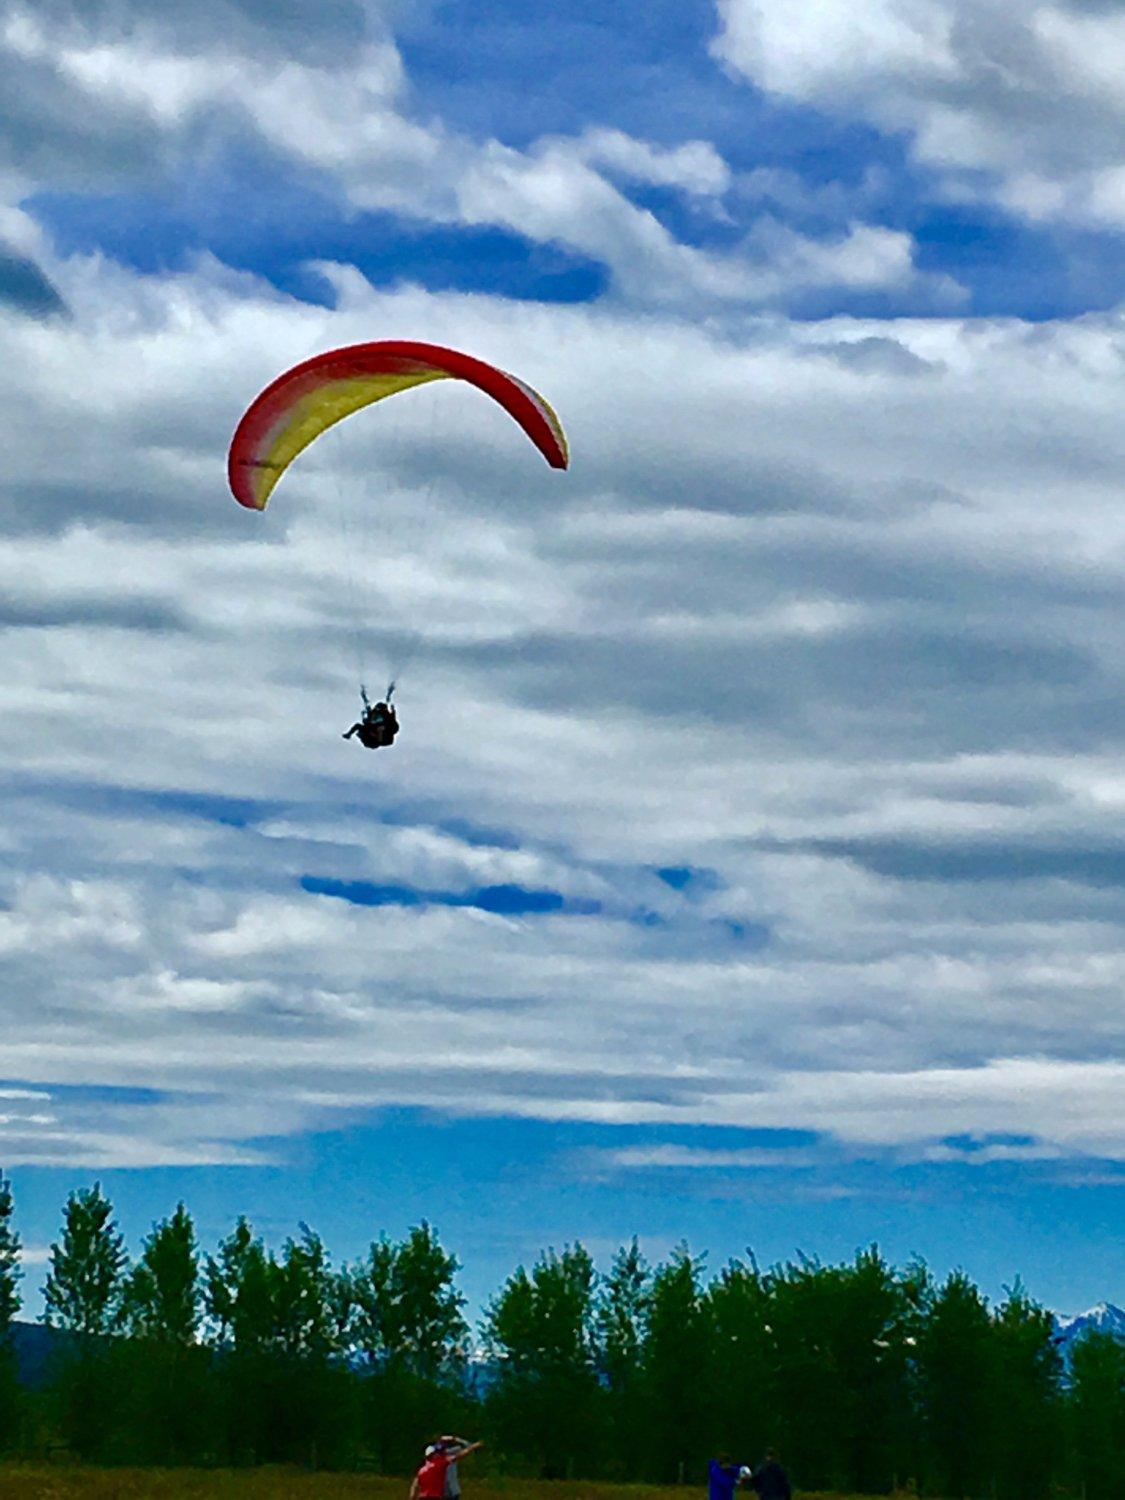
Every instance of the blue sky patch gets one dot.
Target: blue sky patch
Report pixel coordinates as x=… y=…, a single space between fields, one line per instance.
x=279 y=226
x=106 y=800
x=689 y=878
x=501 y=1190
x=504 y=900
x=24 y=287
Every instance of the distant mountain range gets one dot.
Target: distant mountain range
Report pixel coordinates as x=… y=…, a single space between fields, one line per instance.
x=1104 y=1317
x=33 y=1345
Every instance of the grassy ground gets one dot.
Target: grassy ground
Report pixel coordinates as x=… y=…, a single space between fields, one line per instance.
x=63 y=1482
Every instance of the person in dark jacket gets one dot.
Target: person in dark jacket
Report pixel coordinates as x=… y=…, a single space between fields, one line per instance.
x=449 y=1444
x=770 y=1480
x=377 y=727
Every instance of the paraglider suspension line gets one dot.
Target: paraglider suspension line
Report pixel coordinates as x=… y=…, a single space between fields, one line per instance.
x=367 y=701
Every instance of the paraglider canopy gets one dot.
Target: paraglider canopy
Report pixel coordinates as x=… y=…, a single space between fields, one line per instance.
x=304 y=402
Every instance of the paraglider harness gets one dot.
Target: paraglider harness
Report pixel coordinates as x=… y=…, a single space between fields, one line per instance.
x=379 y=724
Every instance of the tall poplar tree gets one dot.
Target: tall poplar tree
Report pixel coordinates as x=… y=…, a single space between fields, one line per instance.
x=1027 y=1398
x=83 y=1291
x=9 y=1307
x=167 y=1371
x=677 y=1355
x=162 y=1294
x=955 y=1377
x=431 y=1329
x=82 y=1298
x=406 y=1325
x=1096 y=1416
x=312 y=1420
x=540 y=1330
x=872 y=1322
x=621 y=1320
x=238 y=1299
x=741 y=1372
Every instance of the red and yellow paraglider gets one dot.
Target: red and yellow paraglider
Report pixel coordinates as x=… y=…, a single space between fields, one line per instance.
x=298 y=406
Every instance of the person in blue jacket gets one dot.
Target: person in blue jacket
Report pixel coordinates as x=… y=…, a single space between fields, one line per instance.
x=723 y=1478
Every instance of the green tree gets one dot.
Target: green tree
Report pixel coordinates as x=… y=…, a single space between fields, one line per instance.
x=238 y=1292
x=871 y=1356
x=955 y=1382
x=10 y=1403
x=406 y=1324
x=276 y=1325
x=162 y=1294
x=621 y=1322
x=919 y=1292
x=82 y=1298
x=1026 y=1397
x=239 y=1304
x=818 y=1361
x=805 y=1316
x=540 y=1329
x=431 y=1329
x=166 y=1371
x=9 y=1261
x=1096 y=1415
x=313 y=1391
x=741 y=1385
x=676 y=1363
x=305 y=1326
x=370 y=1291
x=84 y=1285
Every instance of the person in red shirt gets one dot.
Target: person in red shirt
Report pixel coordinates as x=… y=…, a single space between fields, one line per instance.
x=429 y=1482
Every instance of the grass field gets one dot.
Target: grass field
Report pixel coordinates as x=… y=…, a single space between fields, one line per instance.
x=58 y=1482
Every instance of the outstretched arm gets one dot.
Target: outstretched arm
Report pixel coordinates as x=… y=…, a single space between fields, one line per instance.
x=461 y=1453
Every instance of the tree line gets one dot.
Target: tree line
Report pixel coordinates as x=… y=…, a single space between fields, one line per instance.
x=867 y=1377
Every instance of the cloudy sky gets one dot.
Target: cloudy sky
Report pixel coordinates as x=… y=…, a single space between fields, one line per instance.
x=751 y=865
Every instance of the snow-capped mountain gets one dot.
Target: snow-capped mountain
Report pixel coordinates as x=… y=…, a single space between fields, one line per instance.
x=1105 y=1317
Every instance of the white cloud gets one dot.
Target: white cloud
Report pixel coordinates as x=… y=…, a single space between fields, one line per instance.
x=834 y=48
x=142 y=1133
x=48 y=914
x=830 y=609
x=865 y=258
x=352 y=122
x=695 y=167
x=20 y=232
x=35 y=1255
x=1023 y=105
x=703 y=1158
x=1087 y=46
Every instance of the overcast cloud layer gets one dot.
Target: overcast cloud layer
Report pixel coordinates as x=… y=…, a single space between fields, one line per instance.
x=765 y=770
